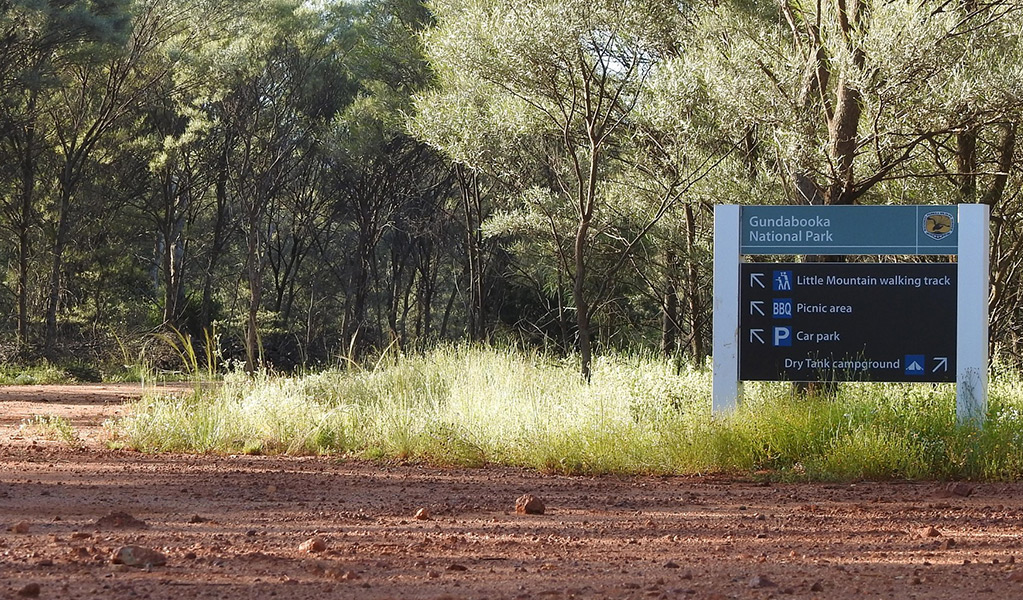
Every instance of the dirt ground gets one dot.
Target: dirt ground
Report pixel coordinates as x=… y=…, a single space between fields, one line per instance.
x=249 y=528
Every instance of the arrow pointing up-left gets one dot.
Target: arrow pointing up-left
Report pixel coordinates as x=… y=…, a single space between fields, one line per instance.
x=754 y=334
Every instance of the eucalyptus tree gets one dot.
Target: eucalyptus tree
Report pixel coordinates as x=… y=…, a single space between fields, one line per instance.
x=272 y=87
x=862 y=101
x=385 y=185
x=40 y=45
x=846 y=95
x=98 y=94
x=568 y=75
x=202 y=101
x=184 y=201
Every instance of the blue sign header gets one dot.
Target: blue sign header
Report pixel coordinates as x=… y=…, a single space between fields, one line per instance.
x=849 y=230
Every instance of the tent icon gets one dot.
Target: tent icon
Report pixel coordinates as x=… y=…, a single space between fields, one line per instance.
x=915 y=364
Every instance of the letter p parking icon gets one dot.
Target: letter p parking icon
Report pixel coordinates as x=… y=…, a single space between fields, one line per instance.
x=782 y=336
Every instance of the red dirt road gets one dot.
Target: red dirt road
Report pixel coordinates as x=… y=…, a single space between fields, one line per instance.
x=232 y=527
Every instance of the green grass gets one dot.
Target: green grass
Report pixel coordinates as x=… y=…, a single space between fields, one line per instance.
x=475 y=406
x=52 y=427
x=72 y=372
x=34 y=375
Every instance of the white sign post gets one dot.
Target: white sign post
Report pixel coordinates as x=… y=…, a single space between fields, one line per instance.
x=857 y=230
x=727 y=390
x=972 y=317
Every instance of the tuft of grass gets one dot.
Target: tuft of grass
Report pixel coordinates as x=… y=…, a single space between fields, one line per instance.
x=138 y=372
x=53 y=427
x=198 y=363
x=474 y=406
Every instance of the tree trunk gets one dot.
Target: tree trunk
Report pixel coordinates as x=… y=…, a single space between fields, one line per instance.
x=253 y=265
x=582 y=307
x=218 y=245
x=844 y=123
x=176 y=202
x=360 y=283
x=28 y=180
x=447 y=313
x=57 y=267
x=587 y=202
x=669 y=310
x=472 y=211
x=966 y=164
x=425 y=291
x=698 y=346
x=843 y=129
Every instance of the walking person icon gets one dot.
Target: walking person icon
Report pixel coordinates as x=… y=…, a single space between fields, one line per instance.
x=782 y=281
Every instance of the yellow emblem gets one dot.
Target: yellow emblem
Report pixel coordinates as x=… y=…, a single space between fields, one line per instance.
x=938 y=224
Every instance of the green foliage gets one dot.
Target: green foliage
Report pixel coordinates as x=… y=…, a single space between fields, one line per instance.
x=45 y=373
x=472 y=407
x=150 y=149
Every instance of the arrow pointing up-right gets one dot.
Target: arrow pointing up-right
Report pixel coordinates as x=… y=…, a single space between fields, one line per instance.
x=941 y=363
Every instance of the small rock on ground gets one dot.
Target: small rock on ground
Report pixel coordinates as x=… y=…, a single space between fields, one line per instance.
x=422 y=515
x=313 y=544
x=528 y=504
x=121 y=520
x=30 y=591
x=958 y=488
x=138 y=556
x=760 y=582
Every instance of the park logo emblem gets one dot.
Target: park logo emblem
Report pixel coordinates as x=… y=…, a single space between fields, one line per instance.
x=938 y=224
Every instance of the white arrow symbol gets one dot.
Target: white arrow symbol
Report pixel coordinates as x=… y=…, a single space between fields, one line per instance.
x=754 y=305
x=942 y=364
x=755 y=334
x=755 y=278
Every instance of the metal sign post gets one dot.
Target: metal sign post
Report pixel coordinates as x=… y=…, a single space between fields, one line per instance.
x=726 y=387
x=911 y=322
x=972 y=323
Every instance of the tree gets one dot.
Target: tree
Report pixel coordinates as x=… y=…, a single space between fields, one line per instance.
x=39 y=44
x=98 y=93
x=858 y=101
x=568 y=74
x=846 y=95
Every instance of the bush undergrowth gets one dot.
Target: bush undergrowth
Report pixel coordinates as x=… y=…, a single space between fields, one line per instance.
x=44 y=374
x=475 y=406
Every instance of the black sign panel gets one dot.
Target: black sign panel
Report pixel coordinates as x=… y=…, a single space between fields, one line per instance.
x=847 y=322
